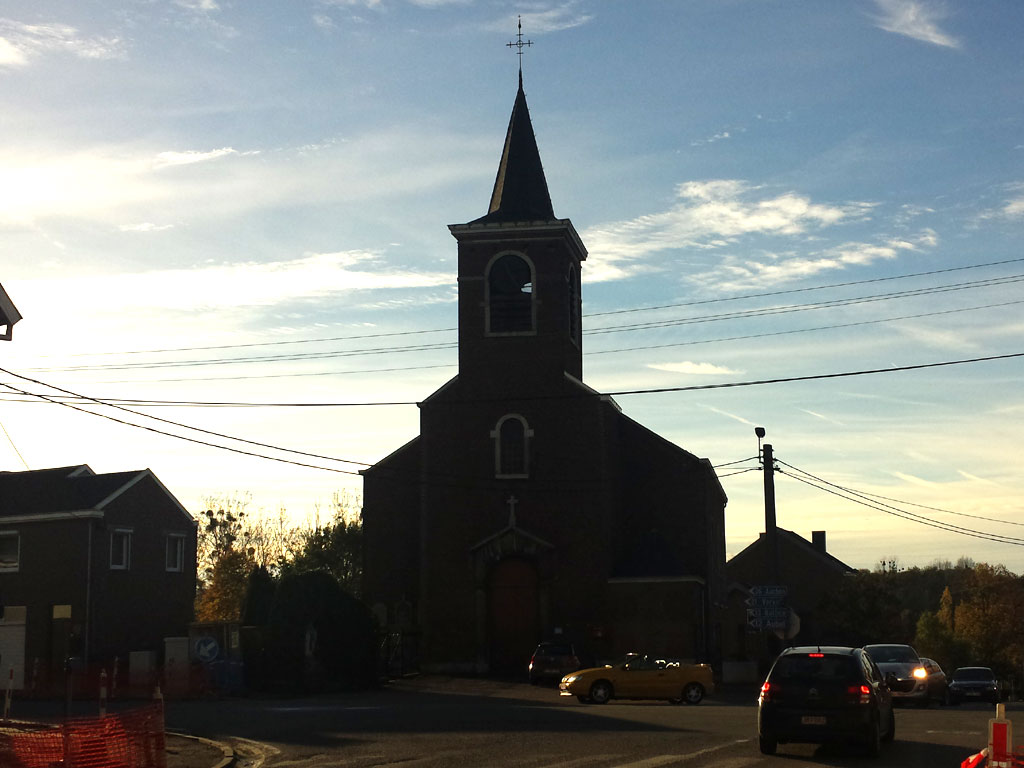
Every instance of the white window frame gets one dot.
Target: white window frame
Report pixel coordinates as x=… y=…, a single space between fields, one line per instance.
x=532 y=330
x=7 y=568
x=178 y=540
x=527 y=436
x=124 y=561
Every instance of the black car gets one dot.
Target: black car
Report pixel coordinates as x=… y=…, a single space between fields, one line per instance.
x=820 y=694
x=973 y=684
x=552 y=661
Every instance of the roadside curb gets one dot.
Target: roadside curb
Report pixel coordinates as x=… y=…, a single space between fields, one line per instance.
x=227 y=751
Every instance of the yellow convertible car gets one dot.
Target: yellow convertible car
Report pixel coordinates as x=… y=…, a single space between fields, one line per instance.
x=640 y=677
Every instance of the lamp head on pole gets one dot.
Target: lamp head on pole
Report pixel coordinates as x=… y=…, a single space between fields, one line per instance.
x=759 y=431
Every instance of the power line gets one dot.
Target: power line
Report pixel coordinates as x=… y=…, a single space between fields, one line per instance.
x=618 y=393
x=917 y=519
x=900 y=501
x=96 y=401
x=854 y=496
x=667 y=345
x=806 y=330
x=738 y=315
x=789 y=309
x=767 y=294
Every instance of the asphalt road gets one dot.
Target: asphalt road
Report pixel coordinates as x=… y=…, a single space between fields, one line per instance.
x=450 y=722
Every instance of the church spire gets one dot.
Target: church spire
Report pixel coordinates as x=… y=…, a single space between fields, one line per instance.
x=520 y=189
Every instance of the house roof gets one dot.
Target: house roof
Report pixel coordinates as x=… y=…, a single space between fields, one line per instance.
x=794 y=540
x=520 y=189
x=63 y=489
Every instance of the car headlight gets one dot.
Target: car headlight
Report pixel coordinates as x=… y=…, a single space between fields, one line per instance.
x=569 y=679
x=920 y=673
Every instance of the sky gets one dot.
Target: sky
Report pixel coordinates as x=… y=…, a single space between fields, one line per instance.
x=802 y=216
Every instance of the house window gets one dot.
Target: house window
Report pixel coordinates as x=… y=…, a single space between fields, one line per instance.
x=120 y=549
x=174 y=559
x=510 y=295
x=10 y=550
x=511 y=446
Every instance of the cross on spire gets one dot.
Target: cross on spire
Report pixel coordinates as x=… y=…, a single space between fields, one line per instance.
x=520 y=44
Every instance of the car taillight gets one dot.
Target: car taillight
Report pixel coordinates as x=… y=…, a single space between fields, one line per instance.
x=766 y=691
x=859 y=693
x=816 y=655
x=532 y=660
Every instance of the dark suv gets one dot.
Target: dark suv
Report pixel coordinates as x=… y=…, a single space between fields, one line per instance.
x=552 y=661
x=819 y=694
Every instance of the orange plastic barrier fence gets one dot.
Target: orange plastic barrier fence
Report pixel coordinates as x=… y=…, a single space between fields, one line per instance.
x=132 y=739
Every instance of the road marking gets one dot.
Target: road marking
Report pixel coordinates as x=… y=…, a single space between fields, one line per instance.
x=253 y=753
x=653 y=762
x=429 y=758
x=320 y=708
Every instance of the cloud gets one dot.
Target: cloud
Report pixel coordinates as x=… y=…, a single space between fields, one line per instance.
x=741 y=272
x=164 y=159
x=556 y=19
x=212 y=296
x=113 y=184
x=720 y=136
x=694 y=369
x=20 y=43
x=144 y=227
x=323 y=21
x=1011 y=208
x=915 y=19
x=1014 y=208
x=708 y=214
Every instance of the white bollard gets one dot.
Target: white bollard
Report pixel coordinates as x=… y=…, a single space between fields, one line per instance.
x=103 y=693
x=7 y=696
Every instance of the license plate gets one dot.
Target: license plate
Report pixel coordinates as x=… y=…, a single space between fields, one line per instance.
x=812 y=720
x=974 y=693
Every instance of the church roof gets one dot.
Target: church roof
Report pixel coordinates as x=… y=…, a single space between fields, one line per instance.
x=520 y=189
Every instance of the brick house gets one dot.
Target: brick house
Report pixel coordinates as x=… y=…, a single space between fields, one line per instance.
x=810 y=576
x=530 y=506
x=91 y=565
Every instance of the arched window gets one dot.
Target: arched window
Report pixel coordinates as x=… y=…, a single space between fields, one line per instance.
x=511 y=446
x=572 y=280
x=510 y=295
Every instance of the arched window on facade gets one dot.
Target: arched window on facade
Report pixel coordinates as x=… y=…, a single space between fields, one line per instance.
x=511 y=446
x=572 y=280
x=510 y=295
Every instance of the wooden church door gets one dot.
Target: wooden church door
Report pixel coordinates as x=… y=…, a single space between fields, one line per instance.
x=513 y=614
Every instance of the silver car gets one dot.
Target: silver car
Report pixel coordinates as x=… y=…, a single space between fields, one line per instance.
x=905 y=674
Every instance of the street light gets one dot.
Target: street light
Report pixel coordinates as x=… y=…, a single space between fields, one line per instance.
x=9 y=315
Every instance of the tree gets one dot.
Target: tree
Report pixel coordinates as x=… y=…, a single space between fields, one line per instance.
x=225 y=559
x=335 y=547
x=323 y=638
x=259 y=597
x=990 y=617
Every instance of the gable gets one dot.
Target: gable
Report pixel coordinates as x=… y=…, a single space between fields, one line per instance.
x=65 y=490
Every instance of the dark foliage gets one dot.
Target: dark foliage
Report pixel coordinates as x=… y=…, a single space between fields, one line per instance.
x=259 y=597
x=320 y=637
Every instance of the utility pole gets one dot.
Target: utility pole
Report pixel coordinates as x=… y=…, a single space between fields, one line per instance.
x=771 y=530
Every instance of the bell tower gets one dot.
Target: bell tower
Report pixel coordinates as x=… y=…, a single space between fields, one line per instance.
x=519 y=279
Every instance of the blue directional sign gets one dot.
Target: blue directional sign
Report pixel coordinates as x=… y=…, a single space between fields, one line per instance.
x=768 y=607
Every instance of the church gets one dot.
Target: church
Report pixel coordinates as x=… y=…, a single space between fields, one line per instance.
x=530 y=507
